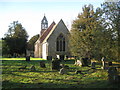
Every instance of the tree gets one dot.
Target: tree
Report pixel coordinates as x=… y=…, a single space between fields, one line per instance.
x=15 y=39
x=111 y=20
x=82 y=39
x=31 y=42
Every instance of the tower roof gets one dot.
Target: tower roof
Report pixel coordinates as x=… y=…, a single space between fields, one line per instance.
x=44 y=19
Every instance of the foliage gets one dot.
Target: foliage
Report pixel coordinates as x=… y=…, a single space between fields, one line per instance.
x=110 y=36
x=31 y=42
x=83 y=33
x=13 y=78
x=95 y=34
x=15 y=40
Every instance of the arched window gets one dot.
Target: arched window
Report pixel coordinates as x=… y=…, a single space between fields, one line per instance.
x=60 y=43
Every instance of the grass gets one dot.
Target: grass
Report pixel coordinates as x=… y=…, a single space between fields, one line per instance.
x=13 y=78
x=21 y=58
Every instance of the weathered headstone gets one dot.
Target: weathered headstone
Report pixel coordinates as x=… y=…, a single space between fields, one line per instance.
x=62 y=71
x=103 y=63
x=113 y=76
x=55 y=65
x=27 y=58
x=33 y=68
x=49 y=57
x=93 y=65
x=78 y=62
x=62 y=57
x=42 y=64
x=85 y=61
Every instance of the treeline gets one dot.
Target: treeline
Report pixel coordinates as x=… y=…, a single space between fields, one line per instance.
x=95 y=33
x=15 y=41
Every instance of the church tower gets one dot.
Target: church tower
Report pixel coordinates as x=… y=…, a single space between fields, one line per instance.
x=44 y=25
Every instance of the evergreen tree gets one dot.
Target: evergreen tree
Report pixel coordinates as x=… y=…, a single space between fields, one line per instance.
x=82 y=39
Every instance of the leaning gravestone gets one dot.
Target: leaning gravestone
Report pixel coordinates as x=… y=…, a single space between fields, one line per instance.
x=55 y=64
x=42 y=64
x=27 y=58
x=103 y=63
x=33 y=68
x=113 y=75
x=93 y=65
x=62 y=71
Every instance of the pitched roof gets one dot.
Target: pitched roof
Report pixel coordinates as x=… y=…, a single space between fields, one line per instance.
x=44 y=35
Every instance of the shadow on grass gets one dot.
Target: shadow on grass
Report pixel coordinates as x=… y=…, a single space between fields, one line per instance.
x=96 y=84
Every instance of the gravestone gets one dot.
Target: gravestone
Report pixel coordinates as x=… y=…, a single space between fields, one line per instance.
x=103 y=63
x=78 y=62
x=49 y=58
x=42 y=64
x=62 y=57
x=110 y=63
x=33 y=68
x=113 y=76
x=85 y=61
x=27 y=58
x=93 y=65
x=62 y=71
x=56 y=64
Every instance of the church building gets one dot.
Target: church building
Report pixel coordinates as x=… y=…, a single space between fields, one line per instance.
x=53 y=40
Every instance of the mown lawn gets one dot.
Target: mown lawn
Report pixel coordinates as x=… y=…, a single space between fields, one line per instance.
x=12 y=77
x=21 y=58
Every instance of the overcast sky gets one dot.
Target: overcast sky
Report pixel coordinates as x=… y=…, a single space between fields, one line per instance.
x=30 y=12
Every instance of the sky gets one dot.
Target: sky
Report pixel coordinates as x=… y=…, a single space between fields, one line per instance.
x=30 y=13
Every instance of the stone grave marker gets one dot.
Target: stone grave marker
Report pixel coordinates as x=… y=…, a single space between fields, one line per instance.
x=113 y=76
x=42 y=64
x=78 y=62
x=61 y=57
x=49 y=58
x=32 y=68
x=62 y=71
x=85 y=61
x=93 y=65
x=103 y=63
x=56 y=64
x=27 y=58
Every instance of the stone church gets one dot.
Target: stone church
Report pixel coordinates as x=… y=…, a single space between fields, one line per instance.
x=53 y=40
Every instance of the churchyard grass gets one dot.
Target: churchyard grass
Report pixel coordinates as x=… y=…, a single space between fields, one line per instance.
x=12 y=77
x=21 y=58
